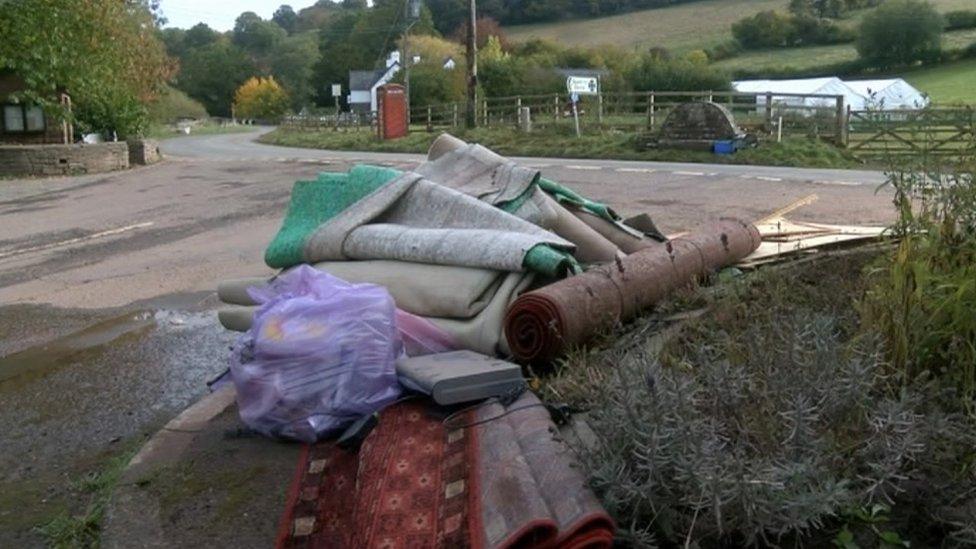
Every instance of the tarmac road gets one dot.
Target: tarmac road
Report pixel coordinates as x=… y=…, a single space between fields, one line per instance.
x=106 y=283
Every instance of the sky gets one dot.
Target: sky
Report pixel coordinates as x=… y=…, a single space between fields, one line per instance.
x=220 y=14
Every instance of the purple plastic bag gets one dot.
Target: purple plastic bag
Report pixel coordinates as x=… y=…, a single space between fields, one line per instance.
x=319 y=355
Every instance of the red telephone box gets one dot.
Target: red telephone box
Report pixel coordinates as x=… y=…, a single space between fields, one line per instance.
x=391 y=104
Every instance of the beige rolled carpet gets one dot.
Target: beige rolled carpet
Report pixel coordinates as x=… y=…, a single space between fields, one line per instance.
x=480 y=331
x=418 y=288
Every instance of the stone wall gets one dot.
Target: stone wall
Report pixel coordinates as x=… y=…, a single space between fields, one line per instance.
x=19 y=160
x=143 y=152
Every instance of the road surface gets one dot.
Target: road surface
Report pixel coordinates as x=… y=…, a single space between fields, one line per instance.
x=209 y=210
x=106 y=283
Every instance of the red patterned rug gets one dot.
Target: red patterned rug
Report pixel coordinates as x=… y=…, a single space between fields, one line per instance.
x=489 y=477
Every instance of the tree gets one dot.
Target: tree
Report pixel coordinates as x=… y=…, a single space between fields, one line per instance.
x=200 y=35
x=107 y=55
x=766 y=29
x=255 y=35
x=293 y=62
x=486 y=27
x=900 y=32
x=286 y=18
x=260 y=98
x=212 y=73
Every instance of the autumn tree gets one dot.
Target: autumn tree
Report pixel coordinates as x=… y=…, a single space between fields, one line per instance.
x=261 y=98
x=107 y=55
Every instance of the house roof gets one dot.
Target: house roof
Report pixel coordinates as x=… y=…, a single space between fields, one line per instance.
x=364 y=80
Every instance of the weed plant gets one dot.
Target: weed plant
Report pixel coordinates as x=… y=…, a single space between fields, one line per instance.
x=773 y=420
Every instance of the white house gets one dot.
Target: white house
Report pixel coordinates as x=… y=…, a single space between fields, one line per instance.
x=812 y=86
x=363 y=84
x=887 y=94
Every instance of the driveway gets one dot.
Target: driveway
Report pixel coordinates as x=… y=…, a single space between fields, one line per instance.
x=106 y=283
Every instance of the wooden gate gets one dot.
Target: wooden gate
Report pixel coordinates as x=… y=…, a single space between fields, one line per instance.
x=936 y=132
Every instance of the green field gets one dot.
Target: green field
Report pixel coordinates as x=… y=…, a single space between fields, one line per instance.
x=804 y=59
x=952 y=83
x=679 y=28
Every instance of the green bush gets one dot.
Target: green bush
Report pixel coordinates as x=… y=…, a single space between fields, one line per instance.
x=650 y=72
x=766 y=29
x=771 y=29
x=173 y=105
x=900 y=32
x=960 y=19
x=431 y=84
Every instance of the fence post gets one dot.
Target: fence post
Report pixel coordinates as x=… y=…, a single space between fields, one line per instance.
x=710 y=97
x=650 y=111
x=555 y=107
x=599 y=109
x=842 y=116
x=518 y=110
x=769 y=112
x=484 y=106
x=454 y=120
x=429 y=127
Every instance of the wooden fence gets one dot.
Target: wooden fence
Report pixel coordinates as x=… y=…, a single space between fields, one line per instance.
x=930 y=132
x=815 y=115
x=767 y=115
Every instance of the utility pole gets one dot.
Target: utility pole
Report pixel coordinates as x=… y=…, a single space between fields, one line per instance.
x=413 y=15
x=471 y=120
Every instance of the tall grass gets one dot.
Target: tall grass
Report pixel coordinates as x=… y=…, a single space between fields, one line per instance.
x=923 y=297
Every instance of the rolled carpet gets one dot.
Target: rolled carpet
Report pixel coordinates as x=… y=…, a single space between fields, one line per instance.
x=540 y=325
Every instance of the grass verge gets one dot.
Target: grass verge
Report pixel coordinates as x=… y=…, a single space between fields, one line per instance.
x=800 y=152
x=72 y=530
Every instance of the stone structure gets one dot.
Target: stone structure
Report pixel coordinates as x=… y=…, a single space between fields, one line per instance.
x=143 y=152
x=20 y=160
x=697 y=126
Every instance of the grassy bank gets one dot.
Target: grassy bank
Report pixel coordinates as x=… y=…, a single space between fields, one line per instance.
x=161 y=131
x=607 y=145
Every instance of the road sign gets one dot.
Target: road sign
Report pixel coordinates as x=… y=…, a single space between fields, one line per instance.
x=574 y=97
x=336 y=90
x=584 y=85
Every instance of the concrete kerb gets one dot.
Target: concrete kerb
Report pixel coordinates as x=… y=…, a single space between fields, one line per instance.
x=133 y=510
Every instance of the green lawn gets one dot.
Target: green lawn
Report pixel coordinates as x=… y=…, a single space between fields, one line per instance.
x=952 y=83
x=805 y=59
x=679 y=28
x=157 y=131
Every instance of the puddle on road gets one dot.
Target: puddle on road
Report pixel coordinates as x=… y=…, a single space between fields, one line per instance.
x=35 y=362
x=122 y=376
x=76 y=385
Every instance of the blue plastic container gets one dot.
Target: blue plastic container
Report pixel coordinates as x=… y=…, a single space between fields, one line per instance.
x=723 y=147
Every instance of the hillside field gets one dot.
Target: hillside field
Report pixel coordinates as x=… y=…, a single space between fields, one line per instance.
x=679 y=28
x=952 y=83
x=804 y=59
